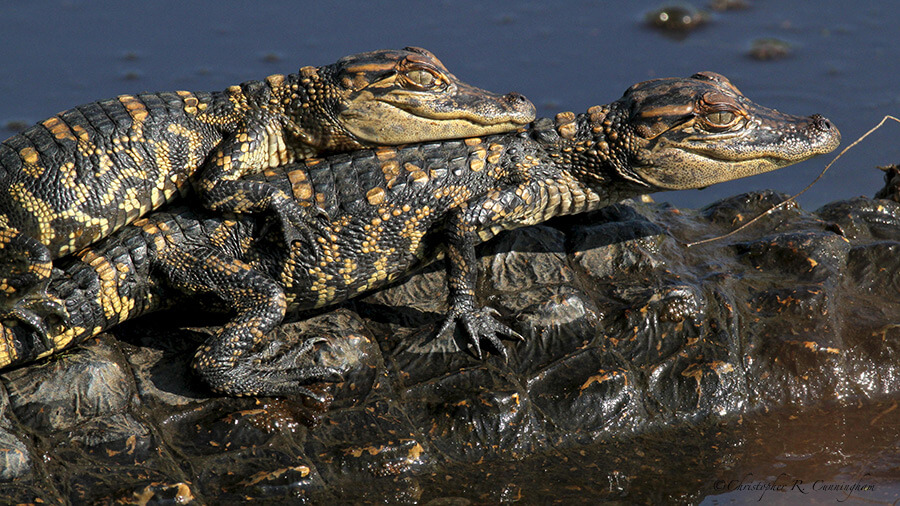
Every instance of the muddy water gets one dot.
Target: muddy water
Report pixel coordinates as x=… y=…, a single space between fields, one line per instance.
x=826 y=455
x=842 y=63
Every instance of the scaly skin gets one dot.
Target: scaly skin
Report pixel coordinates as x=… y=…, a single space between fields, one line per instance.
x=392 y=210
x=79 y=176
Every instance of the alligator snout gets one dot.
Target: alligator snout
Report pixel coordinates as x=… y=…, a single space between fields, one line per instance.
x=821 y=122
x=523 y=109
x=824 y=137
x=517 y=98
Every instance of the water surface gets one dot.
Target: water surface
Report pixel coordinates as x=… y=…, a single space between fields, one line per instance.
x=63 y=53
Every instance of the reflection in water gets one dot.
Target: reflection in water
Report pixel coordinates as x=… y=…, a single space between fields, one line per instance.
x=816 y=456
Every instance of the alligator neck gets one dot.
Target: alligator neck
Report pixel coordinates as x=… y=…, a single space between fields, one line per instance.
x=592 y=152
x=309 y=102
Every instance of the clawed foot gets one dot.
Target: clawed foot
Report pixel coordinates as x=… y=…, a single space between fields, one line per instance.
x=275 y=372
x=284 y=369
x=478 y=325
x=34 y=312
x=304 y=224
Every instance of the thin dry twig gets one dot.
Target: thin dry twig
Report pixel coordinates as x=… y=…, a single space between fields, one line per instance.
x=801 y=192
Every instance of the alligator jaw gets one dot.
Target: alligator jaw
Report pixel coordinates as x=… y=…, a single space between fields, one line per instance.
x=465 y=111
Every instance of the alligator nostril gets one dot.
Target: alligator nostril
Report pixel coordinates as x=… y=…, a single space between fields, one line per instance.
x=517 y=97
x=821 y=122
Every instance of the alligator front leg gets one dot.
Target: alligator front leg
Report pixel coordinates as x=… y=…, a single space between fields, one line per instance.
x=256 y=145
x=478 y=323
x=25 y=266
x=241 y=358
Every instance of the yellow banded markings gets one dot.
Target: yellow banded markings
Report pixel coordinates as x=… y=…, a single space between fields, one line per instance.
x=496 y=151
x=115 y=308
x=192 y=105
x=375 y=196
x=36 y=207
x=59 y=129
x=31 y=162
x=566 y=125
x=322 y=284
x=220 y=235
x=7 y=346
x=88 y=149
x=300 y=186
x=138 y=112
x=476 y=158
x=64 y=339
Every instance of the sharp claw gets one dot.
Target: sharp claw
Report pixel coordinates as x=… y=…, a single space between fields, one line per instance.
x=331 y=374
x=312 y=341
x=321 y=398
x=448 y=325
x=291 y=357
x=321 y=374
x=308 y=345
x=301 y=226
x=497 y=344
x=35 y=321
x=478 y=325
x=321 y=213
x=291 y=233
x=34 y=310
x=31 y=319
x=477 y=346
x=51 y=306
x=278 y=373
x=502 y=350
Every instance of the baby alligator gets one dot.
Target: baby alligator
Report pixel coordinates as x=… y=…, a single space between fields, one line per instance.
x=392 y=210
x=77 y=177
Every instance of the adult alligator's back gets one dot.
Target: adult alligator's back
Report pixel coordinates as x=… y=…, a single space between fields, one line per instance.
x=88 y=171
x=393 y=210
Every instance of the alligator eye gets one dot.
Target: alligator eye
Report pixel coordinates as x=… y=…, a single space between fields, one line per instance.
x=422 y=79
x=720 y=118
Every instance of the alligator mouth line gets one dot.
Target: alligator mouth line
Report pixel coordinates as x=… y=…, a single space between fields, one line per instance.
x=738 y=156
x=455 y=115
x=717 y=136
x=738 y=159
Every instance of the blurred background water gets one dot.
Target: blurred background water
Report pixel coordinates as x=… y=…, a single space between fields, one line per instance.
x=842 y=62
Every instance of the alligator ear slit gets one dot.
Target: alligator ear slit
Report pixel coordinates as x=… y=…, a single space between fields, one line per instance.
x=717 y=78
x=421 y=51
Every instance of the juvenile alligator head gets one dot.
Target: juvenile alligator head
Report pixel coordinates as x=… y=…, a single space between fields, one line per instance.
x=676 y=134
x=398 y=97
